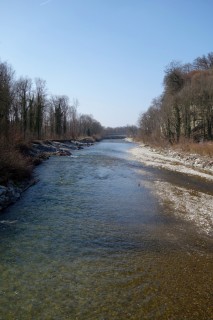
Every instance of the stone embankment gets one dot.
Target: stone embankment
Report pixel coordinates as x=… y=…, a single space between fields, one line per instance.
x=39 y=151
x=43 y=149
x=192 y=164
x=12 y=192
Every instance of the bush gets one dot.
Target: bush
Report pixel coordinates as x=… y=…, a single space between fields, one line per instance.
x=13 y=165
x=201 y=148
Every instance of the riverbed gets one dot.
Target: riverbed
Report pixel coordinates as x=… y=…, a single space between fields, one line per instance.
x=95 y=239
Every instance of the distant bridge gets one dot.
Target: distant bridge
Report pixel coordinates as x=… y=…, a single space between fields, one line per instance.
x=114 y=136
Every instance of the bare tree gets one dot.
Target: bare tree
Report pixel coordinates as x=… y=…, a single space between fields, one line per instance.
x=6 y=98
x=39 y=105
x=23 y=98
x=73 y=119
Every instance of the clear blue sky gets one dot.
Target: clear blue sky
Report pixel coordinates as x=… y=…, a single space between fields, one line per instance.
x=109 y=54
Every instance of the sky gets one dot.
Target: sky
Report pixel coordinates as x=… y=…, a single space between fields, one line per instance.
x=109 y=54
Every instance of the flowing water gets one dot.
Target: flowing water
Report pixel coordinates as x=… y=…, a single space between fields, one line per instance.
x=91 y=240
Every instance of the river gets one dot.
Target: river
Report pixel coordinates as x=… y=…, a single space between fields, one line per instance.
x=91 y=240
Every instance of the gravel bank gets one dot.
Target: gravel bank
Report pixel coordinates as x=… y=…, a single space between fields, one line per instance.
x=185 y=203
x=191 y=164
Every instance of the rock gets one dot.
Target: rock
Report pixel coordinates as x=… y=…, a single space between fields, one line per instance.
x=63 y=152
x=13 y=192
x=9 y=194
x=44 y=148
x=3 y=190
x=88 y=140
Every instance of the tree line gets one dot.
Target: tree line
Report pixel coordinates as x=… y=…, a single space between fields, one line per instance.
x=185 y=108
x=27 y=112
x=128 y=130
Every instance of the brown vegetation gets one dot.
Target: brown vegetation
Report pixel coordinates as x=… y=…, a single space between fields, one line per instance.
x=185 y=108
x=27 y=112
x=13 y=165
x=202 y=149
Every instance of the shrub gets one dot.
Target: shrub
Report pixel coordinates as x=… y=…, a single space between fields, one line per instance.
x=201 y=148
x=13 y=165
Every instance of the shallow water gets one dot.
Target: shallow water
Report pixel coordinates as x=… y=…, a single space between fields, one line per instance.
x=91 y=240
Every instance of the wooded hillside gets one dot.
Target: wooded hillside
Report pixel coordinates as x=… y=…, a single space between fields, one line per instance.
x=185 y=108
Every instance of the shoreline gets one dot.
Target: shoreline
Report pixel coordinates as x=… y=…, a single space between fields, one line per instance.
x=190 y=164
x=39 y=151
x=185 y=203
x=193 y=206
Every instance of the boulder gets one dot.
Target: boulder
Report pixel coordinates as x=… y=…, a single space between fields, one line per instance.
x=9 y=194
x=3 y=191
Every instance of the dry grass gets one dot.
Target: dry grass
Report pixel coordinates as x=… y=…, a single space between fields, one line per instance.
x=185 y=146
x=13 y=165
x=202 y=149
x=156 y=142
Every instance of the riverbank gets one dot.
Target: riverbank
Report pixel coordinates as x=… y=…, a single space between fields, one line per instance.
x=31 y=156
x=185 y=203
x=167 y=158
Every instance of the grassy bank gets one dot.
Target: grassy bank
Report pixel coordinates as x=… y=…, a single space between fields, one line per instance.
x=202 y=149
x=14 y=164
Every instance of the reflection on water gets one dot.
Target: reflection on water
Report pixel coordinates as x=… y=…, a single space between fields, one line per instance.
x=90 y=241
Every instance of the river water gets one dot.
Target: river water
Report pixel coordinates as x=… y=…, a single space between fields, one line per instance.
x=91 y=240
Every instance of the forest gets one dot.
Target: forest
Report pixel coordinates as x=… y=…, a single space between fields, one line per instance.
x=184 y=111
x=27 y=111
